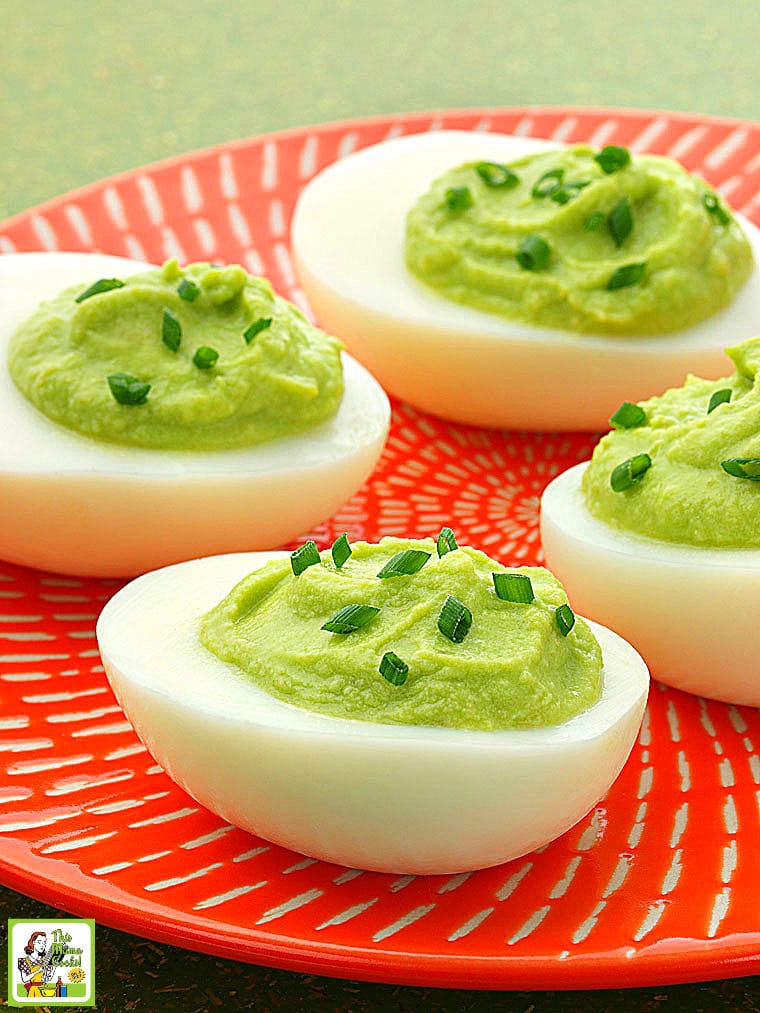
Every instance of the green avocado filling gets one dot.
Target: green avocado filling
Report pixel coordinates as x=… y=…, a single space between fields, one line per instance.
x=598 y=243
x=437 y=646
x=205 y=358
x=689 y=472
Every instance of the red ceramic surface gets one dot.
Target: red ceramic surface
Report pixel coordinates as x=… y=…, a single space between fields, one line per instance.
x=658 y=884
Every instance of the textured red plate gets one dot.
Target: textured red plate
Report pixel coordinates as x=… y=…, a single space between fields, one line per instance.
x=658 y=884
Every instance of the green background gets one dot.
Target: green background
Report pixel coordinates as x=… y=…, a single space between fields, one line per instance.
x=89 y=89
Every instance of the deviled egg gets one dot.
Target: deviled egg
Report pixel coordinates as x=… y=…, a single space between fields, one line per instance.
x=659 y=534
x=463 y=719
x=139 y=440
x=489 y=279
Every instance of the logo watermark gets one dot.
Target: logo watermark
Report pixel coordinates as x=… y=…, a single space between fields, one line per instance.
x=51 y=962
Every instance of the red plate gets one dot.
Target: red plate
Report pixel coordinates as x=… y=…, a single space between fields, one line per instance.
x=659 y=884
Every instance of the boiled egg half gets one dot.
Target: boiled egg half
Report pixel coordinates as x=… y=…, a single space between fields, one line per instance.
x=392 y=798
x=691 y=611
x=81 y=506
x=455 y=361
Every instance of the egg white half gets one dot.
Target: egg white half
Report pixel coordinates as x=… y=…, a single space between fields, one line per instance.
x=81 y=506
x=692 y=612
x=392 y=798
x=461 y=363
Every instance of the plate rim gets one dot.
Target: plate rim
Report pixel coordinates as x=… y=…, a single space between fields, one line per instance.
x=238 y=143
x=479 y=973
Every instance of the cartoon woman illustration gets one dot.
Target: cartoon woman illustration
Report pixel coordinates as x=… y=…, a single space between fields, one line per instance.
x=36 y=968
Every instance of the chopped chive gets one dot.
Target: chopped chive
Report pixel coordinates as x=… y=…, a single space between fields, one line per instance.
x=341 y=550
x=405 y=562
x=171 y=330
x=718 y=398
x=393 y=669
x=627 y=275
x=565 y=618
x=743 y=467
x=303 y=557
x=205 y=357
x=548 y=183
x=630 y=472
x=104 y=285
x=188 y=290
x=127 y=389
x=455 y=620
x=446 y=542
x=612 y=157
x=351 y=618
x=458 y=198
x=533 y=253
x=513 y=587
x=593 y=221
x=497 y=175
x=620 y=221
x=256 y=328
x=714 y=207
x=628 y=416
x=567 y=191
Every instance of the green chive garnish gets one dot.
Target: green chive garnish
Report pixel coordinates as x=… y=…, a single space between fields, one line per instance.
x=393 y=669
x=627 y=275
x=612 y=157
x=567 y=191
x=458 y=198
x=533 y=253
x=548 y=183
x=497 y=175
x=205 y=357
x=341 y=550
x=719 y=397
x=593 y=221
x=455 y=620
x=256 y=328
x=405 y=562
x=171 y=330
x=188 y=290
x=104 y=285
x=628 y=416
x=743 y=467
x=513 y=587
x=446 y=542
x=128 y=389
x=565 y=619
x=351 y=618
x=714 y=207
x=303 y=557
x=620 y=221
x=630 y=472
